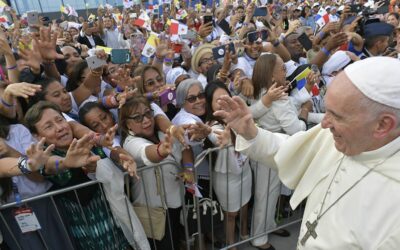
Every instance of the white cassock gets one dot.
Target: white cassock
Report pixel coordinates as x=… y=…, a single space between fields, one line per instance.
x=366 y=217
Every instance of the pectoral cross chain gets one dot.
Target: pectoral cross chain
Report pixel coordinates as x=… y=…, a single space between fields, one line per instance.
x=310 y=232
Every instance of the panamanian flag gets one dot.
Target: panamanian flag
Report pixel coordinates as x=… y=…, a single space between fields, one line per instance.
x=322 y=18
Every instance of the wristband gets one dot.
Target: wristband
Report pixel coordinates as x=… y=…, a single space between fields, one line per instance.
x=149 y=96
x=159 y=59
x=57 y=165
x=119 y=89
x=168 y=60
x=188 y=165
x=158 y=151
x=7 y=105
x=12 y=67
x=326 y=52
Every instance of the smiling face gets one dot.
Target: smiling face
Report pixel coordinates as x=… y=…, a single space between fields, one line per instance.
x=152 y=80
x=195 y=102
x=55 y=129
x=350 y=124
x=56 y=93
x=205 y=62
x=98 y=120
x=144 y=128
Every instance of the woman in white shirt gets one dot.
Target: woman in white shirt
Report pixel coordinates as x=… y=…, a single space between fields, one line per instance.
x=158 y=185
x=232 y=178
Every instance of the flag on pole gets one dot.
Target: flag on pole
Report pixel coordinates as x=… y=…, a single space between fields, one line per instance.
x=150 y=46
x=301 y=78
x=64 y=10
x=128 y=4
x=72 y=11
x=322 y=18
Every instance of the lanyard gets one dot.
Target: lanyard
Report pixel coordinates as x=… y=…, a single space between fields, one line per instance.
x=17 y=195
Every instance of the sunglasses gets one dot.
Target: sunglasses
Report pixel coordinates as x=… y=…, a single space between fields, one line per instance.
x=193 y=98
x=152 y=82
x=139 y=118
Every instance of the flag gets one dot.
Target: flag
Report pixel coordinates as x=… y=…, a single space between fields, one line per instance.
x=143 y=21
x=174 y=27
x=3 y=19
x=72 y=11
x=301 y=78
x=150 y=46
x=181 y=14
x=182 y=29
x=127 y=3
x=322 y=18
x=64 y=10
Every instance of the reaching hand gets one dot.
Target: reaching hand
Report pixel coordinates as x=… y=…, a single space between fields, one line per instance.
x=223 y=136
x=129 y=164
x=32 y=57
x=205 y=30
x=274 y=93
x=336 y=40
x=4 y=47
x=247 y=88
x=22 y=89
x=178 y=132
x=122 y=97
x=107 y=140
x=123 y=78
x=46 y=45
x=236 y=114
x=198 y=131
x=37 y=157
x=79 y=154
x=166 y=145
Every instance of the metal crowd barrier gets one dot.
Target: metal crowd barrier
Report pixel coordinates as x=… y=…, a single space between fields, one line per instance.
x=294 y=217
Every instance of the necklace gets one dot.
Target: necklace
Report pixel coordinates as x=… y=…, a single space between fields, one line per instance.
x=311 y=226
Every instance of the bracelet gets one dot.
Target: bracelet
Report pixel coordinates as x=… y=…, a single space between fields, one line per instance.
x=57 y=165
x=168 y=60
x=12 y=67
x=169 y=129
x=276 y=43
x=158 y=151
x=23 y=165
x=326 y=52
x=7 y=105
x=119 y=89
x=188 y=165
x=149 y=96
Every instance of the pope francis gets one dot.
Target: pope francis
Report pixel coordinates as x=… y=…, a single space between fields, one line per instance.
x=348 y=167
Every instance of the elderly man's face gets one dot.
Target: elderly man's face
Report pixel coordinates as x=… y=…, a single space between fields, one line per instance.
x=350 y=123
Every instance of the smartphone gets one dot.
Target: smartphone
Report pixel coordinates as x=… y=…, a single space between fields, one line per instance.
x=262 y=11
x=219 y=52
x=33 y=19
x=258 y=36
x=305 y=41
x=224 y=25
x=355 y=8
x=167 y=96
x=94 y=62
x=120 y=56
x=90 y=25
x=384 y=8
x=208 y=19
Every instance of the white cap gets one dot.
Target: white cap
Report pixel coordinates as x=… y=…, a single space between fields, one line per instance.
x=336 y=62
x=173 y=74
x=315 y=5
x=378 y=78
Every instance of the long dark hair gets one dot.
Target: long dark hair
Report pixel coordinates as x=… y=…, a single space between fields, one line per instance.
x=209 y=91
x=75 y=78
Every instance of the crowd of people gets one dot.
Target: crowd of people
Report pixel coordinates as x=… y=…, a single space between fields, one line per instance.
x=138 y=90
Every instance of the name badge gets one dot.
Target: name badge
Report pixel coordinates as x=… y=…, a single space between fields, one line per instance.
x=26 y=220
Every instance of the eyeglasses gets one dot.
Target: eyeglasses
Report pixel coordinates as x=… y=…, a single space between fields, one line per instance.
x=151 y=82
x=139 y=118
x=193 y=98
x=206 y=60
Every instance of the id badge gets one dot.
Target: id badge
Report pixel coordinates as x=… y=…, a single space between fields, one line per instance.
x=26 y=219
